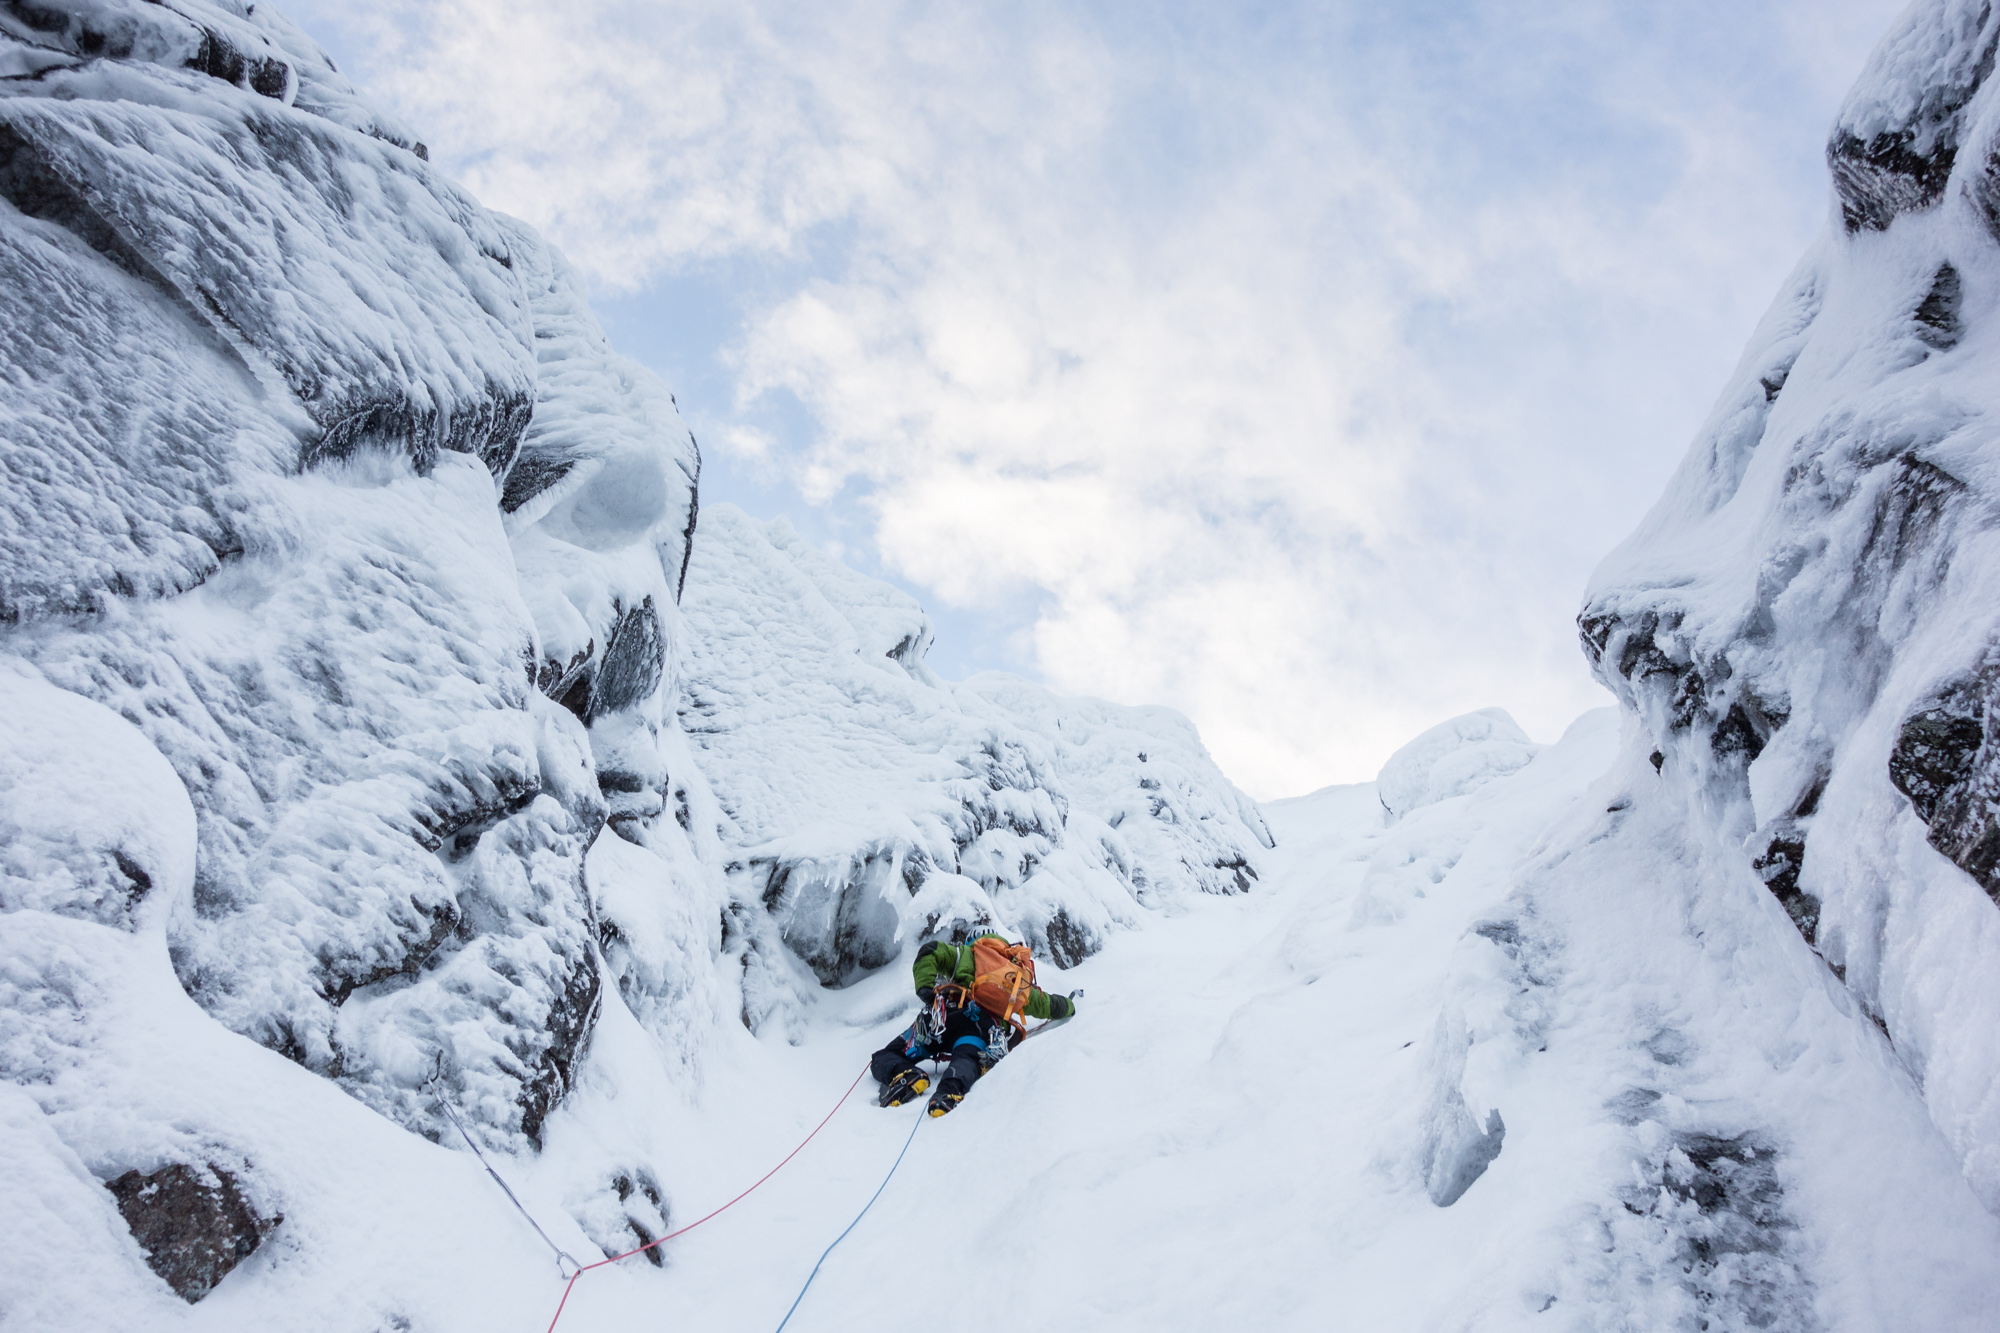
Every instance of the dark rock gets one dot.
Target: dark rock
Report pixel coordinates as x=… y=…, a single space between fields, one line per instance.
x=1639 y=657
x=1065 y=943
x=156 y=34
x=1778 y=866
x=1937 y=315
x=466 y=809
x=1935 y=751
x=635 y=661
x=489 y=428
x=576 y=697
x=1984 y=191
x=694 y=507
x=1690 y=701
x=422 y=934
x=1241 y=871
x=532 y=474
x=1918 y=500
x=220 y=58
x=839 y=928
x=567 y=1028
x=1964 y=828
x=43 y=19
x=1594 y=633
x=417 y=394
x=31 y=184
x=1736 y=734
x=1888 y=175
x=558 y=680
x=193 y=1223
x=1946 y=763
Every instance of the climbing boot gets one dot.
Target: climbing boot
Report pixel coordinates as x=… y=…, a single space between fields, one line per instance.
x=945 y=1098
x=903 y=1087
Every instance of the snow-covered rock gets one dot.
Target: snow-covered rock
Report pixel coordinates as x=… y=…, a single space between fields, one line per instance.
x=1806 y=619
x=1452 y=759
x=850 y=776
x=340 y=586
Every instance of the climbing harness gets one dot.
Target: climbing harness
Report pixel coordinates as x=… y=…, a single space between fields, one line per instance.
x=725 y=1207
x=851 y=1225
x=949 y=994
x=565 y=1263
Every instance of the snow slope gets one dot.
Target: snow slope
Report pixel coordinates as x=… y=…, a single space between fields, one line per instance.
x=1244 y=1126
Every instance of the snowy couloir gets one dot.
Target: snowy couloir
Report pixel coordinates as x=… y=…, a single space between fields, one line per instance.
x=387 y=735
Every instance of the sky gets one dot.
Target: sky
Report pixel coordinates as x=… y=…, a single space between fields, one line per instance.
x=1288 y=364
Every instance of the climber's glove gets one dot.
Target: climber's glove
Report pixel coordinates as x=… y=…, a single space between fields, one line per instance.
x=1061 y=1006
x=925 y=995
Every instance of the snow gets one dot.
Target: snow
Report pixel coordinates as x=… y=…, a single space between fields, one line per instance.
x=1819 y=573
x=1452 y=759
x=390 y=728
x=848 y=773
x=1235 y=1129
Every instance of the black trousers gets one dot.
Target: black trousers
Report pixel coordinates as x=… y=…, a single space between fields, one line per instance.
x=964 y=1041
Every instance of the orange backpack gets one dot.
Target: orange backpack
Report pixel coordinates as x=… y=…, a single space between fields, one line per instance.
x=1002 y=976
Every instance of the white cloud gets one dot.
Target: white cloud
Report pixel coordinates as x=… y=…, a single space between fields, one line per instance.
x=1299 y=364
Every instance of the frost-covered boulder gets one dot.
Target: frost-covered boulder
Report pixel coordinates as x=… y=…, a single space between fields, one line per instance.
x=1144 y=772
x=274 y=377
x=1806 y=621
x=850 y=777
x=1452 y=759
x=230 y=284
x=1897 y=138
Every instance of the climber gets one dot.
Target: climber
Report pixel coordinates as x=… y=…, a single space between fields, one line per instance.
x=974 y=996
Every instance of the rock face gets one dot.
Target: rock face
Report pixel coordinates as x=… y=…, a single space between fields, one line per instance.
x=1943 y=763
x=1805 y=622
x=868 y=805
x=1897 y=139
x=351 y=698
x=273 y=372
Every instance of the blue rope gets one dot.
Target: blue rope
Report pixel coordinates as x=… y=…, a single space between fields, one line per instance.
x=850 y=1226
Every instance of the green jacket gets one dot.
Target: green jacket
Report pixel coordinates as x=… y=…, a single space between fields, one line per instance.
x=953 y=963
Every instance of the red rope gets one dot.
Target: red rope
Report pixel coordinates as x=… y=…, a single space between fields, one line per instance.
x=725 y=1207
